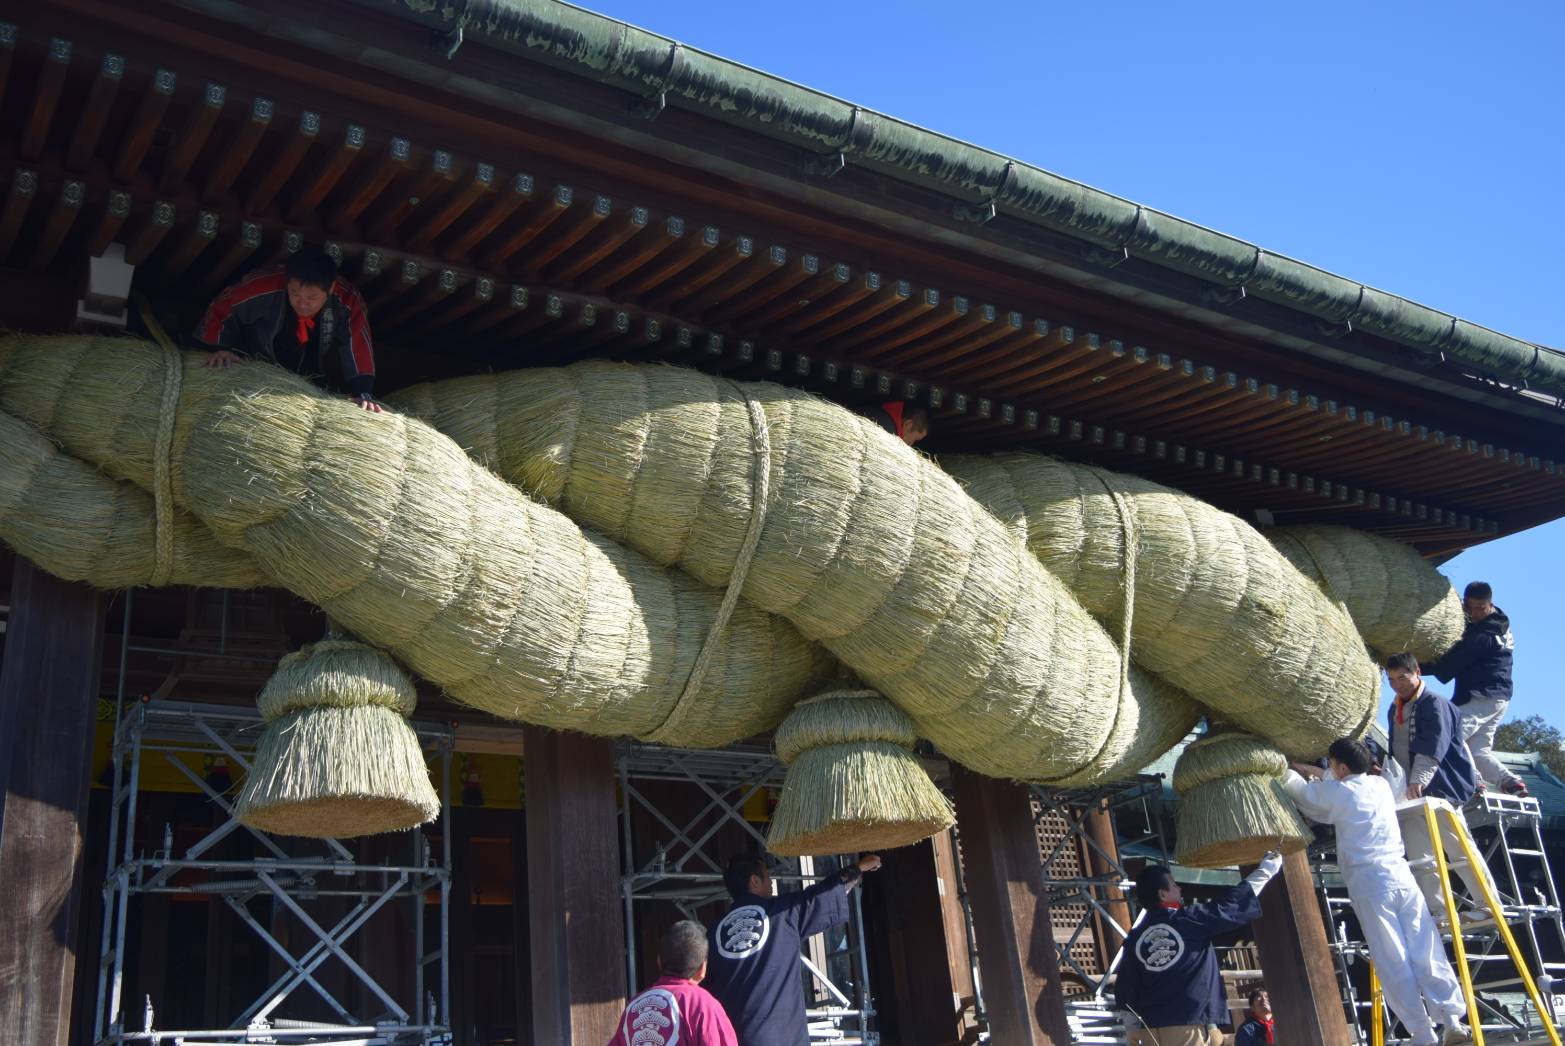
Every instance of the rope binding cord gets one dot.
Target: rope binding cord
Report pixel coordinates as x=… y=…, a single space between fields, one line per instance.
x=760 y=488
x=163 y=447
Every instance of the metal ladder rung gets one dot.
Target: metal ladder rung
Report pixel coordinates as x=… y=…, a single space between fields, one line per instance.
x=1517 y=851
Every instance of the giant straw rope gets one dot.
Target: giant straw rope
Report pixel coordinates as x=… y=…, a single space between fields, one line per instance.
x=837 y=537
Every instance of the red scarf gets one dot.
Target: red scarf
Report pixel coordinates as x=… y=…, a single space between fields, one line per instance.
x=306 y=325
x=895 y=408
x=1268 y=1022
x=1172 y=907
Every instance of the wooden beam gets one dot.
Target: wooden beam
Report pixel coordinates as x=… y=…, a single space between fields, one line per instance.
x=1101 y=849
x=238 y=151
x=63 y=215
x=576 y=912
x=18 y=200
x=437 y=216
x=1004 y=875
x=115 y=210
x=517 y=192
x=7 y=53
x=95 y=112
x=46 y=99
x=154 y=226
x=287 y=160
x=328 y=175
x=245 y=244
x=188 y=142
x=1297 y=962
x=378 y=175
x=144 y=125
x=48 y=708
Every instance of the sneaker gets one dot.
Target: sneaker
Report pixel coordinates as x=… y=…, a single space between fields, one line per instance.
x=1456 y=1033
x=1516 y=787
x=1477 y=917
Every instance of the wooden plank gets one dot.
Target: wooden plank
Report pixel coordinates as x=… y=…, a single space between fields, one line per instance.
x=66 y=207
x=193 y=136
x=1004 y=875
x=46 y=99
x=926 y=945
x=281 y=166
x=1297 y=962
x=95 y=112
x=576 y=916
x=236 y=154
x=144 y=125
x=48 y=707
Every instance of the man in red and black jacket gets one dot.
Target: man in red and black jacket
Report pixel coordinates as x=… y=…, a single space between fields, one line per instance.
x=301 y=316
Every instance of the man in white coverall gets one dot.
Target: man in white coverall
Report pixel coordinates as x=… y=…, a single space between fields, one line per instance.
x=1404 y=943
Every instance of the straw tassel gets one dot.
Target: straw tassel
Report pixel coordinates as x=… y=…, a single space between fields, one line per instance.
x=1232 y=808
x=338 y=758
x=853 y=781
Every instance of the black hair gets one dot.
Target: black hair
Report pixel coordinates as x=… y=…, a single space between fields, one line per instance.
x=1255 y=993
x=311 y=266
x=1478 y=590
x=1403 y=661
x=1152 y=880
x=1355 y=755
x=682 y=949
x=740 y=868
x=917 y=414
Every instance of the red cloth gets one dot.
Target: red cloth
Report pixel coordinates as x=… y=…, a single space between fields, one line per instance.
x=1401 y=706
x=1172 y=907
x=674 y=1010
x=306 y=325
x=895 y=409
x=1270 y=1036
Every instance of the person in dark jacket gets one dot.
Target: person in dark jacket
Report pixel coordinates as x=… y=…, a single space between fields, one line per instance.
x=753 y=964
x=907 y=421
x=1258 y=1028
x=1480 y=663
x=1426 y=741
x=1168 y=977
x=300 y=316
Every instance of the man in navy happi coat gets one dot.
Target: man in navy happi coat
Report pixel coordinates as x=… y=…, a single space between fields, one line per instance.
x=753 y=963
x=1168 y=976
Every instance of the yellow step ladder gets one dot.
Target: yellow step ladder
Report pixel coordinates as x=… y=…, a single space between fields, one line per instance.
x=1434 y=810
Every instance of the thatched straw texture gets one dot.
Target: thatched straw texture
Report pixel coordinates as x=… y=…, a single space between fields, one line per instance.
x=868 y=548
x=337 y=773
x=1232 y=808
x=1398 y=600
x=390 y=528
x=853 y=781
x=337 y=757
x=1218 y=612
x=85 y=526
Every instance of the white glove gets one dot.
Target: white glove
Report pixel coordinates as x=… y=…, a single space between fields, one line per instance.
x=1270 y=865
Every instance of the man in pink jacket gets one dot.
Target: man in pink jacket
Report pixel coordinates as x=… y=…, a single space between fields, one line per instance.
x=676 y=1009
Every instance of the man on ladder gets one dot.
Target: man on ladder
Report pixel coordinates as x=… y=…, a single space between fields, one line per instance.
x=1403 y=942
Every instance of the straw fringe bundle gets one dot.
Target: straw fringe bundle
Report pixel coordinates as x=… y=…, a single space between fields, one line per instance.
x=1232 y=808
x=1219 y=613
x=390 y=528
x=337 y=758
x=853 y=781
x=869 y=549
x=1397 y=599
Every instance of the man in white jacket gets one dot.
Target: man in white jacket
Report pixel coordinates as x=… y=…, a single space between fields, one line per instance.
x=1404 y=943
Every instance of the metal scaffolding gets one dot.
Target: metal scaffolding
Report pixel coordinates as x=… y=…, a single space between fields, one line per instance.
x=1529 y=898
x=685 y=870
x=292 y=875
x=1078 y=897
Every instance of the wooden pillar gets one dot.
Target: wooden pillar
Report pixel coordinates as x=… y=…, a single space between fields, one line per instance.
x=1004 y=874
x=521 y=930
x=1101 y=852
x=48 y=707
x=576 y=912
x=1295 y=958
x=925 y=938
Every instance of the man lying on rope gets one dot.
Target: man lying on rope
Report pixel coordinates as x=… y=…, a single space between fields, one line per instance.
x=301 y=316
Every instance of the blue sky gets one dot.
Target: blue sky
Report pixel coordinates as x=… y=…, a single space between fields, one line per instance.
x=1413 y=146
